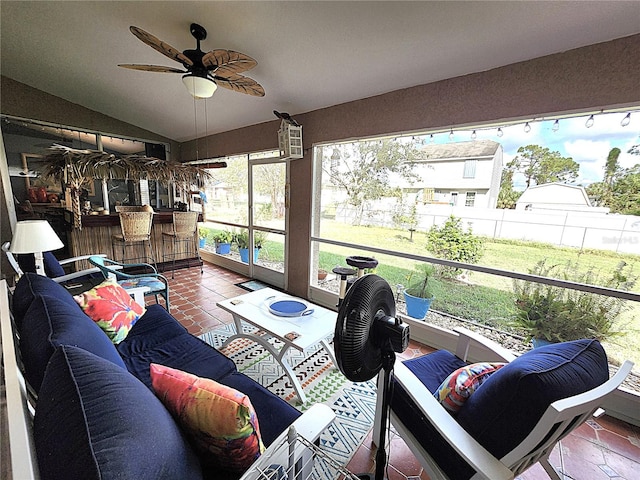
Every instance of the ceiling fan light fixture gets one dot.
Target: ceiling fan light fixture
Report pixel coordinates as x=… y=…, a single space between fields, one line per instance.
x=199 y=87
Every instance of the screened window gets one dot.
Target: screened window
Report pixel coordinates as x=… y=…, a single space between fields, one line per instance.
x=470 y=201
x=469 y=169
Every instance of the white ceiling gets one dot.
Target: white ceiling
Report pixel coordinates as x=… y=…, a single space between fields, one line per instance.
x=310 y=54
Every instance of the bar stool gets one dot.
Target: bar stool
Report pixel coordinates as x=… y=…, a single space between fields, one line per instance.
x=135 y=230
x=185 y=232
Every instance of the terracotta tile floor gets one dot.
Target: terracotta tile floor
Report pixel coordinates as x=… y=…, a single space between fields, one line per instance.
x=602 y=449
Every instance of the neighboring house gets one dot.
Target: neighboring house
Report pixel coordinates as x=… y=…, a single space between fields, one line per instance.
x=460 y=174
x=557 y=196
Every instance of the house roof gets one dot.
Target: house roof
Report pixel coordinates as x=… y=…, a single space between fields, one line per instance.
x=555 y=194
x=460 y=150
x=310 y=55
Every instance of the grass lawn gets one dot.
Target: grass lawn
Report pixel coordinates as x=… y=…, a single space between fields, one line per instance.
x=489 y=298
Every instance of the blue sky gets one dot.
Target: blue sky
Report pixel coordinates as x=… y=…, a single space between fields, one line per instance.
x=587 y=146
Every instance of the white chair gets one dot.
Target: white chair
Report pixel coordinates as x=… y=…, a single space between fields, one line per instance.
x=440 y=441
x=52 y=260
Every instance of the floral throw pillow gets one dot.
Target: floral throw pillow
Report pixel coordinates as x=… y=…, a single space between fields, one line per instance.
x=460 y=385
x=112 y=308
x=219 y=420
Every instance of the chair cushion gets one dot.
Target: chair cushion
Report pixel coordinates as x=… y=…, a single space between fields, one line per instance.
x=112 y=308
x=461 y=384
x=434 y=368
x=219 y=420
x=96 y=421
x=153 y=283
x=32 y=284
x=510 y=402
x=52 y=267
x=49 y=323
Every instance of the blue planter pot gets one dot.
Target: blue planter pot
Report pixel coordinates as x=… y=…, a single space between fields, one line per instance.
x=540 y=342
x=244 y=254
x=223 y=248
x=417 y=307
x=202 y=241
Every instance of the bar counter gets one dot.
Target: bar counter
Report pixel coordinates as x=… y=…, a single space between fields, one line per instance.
x=95 y=237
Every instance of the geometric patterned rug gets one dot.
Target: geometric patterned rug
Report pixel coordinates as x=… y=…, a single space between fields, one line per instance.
x=353 y=403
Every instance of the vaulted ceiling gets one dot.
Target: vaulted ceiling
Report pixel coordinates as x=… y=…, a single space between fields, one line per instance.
x=310 y=54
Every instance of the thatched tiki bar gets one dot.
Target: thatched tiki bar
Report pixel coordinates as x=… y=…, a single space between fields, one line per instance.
x=90 y=227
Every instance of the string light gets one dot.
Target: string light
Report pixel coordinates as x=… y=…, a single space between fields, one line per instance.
x=474 y=135
x=500 y=132
x=556 y=126
x=431 y=138
x=590 y=121
x=527 y=127
x=626 y=120
x=451 y=134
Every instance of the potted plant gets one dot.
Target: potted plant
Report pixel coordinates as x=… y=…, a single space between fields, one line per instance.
x=551 y=314
x=222 y=240
x=203 y=232
x=418 y=295
x=242 y=241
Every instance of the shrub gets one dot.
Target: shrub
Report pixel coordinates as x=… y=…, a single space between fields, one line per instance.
x=451 y=242
x=559 y=314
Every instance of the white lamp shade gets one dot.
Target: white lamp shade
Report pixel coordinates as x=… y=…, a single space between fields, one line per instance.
x=199 y=87
x=33 y=236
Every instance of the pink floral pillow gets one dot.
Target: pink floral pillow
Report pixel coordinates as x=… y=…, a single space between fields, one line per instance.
x=219 y=420
x=112 y=308
x=461 y=384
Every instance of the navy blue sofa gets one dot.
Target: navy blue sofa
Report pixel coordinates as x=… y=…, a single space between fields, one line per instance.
x=96 y=415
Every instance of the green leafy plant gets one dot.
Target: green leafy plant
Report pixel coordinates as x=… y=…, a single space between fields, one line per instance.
x=203 y=232
x=559 y=314
x=418 y=281
x=241 y=239
x=451 y=242
x=223 y=236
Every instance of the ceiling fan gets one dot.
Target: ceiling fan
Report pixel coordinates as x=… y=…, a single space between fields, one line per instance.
x=204 y=71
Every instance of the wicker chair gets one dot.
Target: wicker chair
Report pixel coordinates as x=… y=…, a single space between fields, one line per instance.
x=185 y=233
x=135 y=231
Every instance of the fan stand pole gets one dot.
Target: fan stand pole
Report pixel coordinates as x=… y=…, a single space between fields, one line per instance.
x=388 y=359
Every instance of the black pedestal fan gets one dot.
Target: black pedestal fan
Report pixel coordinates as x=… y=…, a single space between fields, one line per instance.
x=366 y=340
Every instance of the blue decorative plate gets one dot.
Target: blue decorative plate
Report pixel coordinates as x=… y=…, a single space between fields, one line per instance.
x=289 y=308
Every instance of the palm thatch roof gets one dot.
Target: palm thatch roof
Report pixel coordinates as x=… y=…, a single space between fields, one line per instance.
x=65 y=163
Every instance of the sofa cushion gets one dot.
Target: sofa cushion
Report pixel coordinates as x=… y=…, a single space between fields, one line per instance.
x=50 y=322
x=507 y=406
x=96 y=421
x=30 y=285
x=462 y=383
x=112 y=308
x=220 y=421
x=157 y=337
x=274 y=413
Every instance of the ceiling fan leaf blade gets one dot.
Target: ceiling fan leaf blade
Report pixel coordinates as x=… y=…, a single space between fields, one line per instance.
x=160 y=46
x=152 y=68
x=227 y=62
x=242 y=84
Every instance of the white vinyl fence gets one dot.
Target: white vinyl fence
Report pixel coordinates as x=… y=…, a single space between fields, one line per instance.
x=584 y=230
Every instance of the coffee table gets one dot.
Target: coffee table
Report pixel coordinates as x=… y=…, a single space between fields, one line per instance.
x=312 y=328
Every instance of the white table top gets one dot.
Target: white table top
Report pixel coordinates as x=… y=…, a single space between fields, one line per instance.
x=253 y=308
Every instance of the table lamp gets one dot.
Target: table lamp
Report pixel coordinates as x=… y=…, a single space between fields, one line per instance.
x=35 y=236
